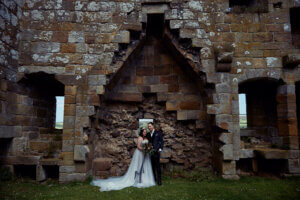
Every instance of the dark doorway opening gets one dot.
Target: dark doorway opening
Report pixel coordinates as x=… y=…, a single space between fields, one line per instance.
x=261 y=109
x=298 y=108
x=25 y=171
x=295 y=26
x=52 y=171
x=155 y=25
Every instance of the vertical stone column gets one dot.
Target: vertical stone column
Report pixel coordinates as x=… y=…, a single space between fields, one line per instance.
x=226 y=119
x=287 y=116
x=87 y=98
x=287 y=124
x=67 y=168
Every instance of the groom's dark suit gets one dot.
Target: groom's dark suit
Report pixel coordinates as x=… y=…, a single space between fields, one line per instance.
x=158 y=143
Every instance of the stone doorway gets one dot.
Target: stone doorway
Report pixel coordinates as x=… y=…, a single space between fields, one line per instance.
x=37 y=143
x=155 y=84
x=261 y=112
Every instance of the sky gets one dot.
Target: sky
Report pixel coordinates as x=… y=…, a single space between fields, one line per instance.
x=242 y=104
x=60 y=106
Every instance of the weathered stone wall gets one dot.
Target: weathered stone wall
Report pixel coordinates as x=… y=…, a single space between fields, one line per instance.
x=10 y=14
x=27 y=105
x=85 y=43
x=185 y=146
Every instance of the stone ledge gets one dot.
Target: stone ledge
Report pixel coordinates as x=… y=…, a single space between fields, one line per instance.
x=272 y=153
x=20 y=160
x=10 y=131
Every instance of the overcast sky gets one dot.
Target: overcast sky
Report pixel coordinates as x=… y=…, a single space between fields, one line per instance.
x=60 y=109
x=242 y=102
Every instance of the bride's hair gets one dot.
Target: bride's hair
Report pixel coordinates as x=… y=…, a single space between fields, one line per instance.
x=141 y=132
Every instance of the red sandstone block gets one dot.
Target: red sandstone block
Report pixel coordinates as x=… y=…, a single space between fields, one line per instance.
x=144 y=71
x=190 y=105
x=254 y=28
x=274 y=27
x=130 y=97
x=67 y=26
x=90 y=39
x=60 y=36
x=144 y=89
x=138 y=80
x=68 y=48
x=68 y=134
x=70 y=99
x=166 y=59
x=80 y=167
x=102 y=164
x=150 y=80
x=272 y=53
x=68 y=158
x=93 y=99
x=102 y=174
x=71 y=79
x=159 y=88
x=236 y=27
x=262 y=37
x=172 y=105
x=173 y=88
x=39 y=146
x=70 y=90
x=162 y=70
x=283 y=37
x=69 y=109
x=68 y=4
x=172 y=79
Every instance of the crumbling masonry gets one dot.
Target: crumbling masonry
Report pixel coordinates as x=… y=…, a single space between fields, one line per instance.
x=181 y=62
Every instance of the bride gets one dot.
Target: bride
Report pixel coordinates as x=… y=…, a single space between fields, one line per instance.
x=139 y=173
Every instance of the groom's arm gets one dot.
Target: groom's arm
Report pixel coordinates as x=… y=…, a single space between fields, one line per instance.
x=161 y=141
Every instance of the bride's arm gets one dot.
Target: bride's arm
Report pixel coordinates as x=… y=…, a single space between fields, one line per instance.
x=140 y=139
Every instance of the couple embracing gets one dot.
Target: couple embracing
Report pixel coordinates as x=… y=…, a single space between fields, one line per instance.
x=144 y=168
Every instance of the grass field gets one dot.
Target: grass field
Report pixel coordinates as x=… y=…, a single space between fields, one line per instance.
x=248 y=188
x=59 y=125
x=243 y=121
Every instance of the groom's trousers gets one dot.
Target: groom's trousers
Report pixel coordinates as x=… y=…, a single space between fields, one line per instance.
x=155 y=160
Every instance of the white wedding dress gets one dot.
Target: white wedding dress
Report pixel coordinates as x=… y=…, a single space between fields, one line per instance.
x=131 y=177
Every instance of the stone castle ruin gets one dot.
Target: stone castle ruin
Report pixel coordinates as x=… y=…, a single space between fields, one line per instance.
x=183 y=63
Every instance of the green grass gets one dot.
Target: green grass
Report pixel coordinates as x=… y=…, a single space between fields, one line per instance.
x=59 y=125
x=243 y=121
x=248 y=188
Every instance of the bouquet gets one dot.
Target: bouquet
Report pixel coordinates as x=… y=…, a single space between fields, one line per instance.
x=147 y=147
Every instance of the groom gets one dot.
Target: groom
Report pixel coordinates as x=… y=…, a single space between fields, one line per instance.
x=156 y=139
